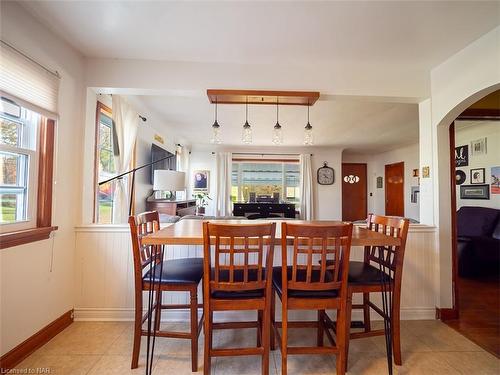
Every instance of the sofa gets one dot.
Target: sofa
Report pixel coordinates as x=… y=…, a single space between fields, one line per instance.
x=478 y=241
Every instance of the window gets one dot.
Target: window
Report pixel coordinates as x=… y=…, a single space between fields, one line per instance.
x=105 y=164
x=26 y=144
x=265 y=178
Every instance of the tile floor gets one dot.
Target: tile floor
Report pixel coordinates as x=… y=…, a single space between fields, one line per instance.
x=98 y=348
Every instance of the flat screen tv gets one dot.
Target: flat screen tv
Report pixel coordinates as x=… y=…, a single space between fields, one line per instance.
x=158 y=153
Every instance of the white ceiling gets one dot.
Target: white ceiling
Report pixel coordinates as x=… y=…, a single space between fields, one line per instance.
x=352 y=41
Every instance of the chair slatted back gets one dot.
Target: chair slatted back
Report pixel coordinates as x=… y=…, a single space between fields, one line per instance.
x=328 y=242
x=390 y=257
x=239 y=251
x=140 y=226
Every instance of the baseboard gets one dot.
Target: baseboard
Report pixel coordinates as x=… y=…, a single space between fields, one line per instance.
x=446 y=314
x=12 y=358
x=127 y=315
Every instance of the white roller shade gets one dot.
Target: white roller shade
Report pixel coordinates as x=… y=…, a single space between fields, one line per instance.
x=27 y=82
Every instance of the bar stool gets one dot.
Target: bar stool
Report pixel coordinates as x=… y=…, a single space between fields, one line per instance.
x=172 y=275
x=306 y=286
x=237 y=281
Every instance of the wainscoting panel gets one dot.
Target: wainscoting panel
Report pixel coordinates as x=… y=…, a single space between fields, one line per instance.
x=105 y=285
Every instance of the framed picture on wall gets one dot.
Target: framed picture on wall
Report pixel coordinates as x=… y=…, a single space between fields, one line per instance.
x=461 y=156
x=477 y=176
x=475 y=192
x=201 y=180
x=478 y=147
x=495 y=180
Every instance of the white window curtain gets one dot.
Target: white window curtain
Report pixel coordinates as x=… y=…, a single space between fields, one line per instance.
x=223 y=198
x=27 y=82
x=126 y=122
x=183 y=165
x=306 y=188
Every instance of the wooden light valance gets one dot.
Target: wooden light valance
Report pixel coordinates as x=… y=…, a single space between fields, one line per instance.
x=307 y=98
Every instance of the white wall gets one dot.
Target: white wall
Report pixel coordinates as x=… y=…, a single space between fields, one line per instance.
x=376 y=167
x=467 y=131
x=327 y=198
x=37 y=279
x=460 y=81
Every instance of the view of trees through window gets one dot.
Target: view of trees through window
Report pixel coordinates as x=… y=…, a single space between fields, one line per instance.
x=106 y=166
x=265 y=178
x=18 y=130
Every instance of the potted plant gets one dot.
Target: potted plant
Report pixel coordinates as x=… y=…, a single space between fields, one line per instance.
x=201 y=202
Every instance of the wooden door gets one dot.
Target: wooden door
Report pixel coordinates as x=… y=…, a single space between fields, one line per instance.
x=354 y=191
x=394 y=189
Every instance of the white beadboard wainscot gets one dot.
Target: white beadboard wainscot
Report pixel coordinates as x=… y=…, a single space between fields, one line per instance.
x=105 y=286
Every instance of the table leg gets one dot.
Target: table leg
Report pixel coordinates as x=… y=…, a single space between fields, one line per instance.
x=387 y=309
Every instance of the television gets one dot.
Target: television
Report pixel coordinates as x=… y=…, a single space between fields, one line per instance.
x=158 y=153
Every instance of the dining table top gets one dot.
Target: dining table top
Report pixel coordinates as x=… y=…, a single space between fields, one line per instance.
x=190 y=232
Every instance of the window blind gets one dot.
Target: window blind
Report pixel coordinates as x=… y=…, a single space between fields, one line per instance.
x=27 y=82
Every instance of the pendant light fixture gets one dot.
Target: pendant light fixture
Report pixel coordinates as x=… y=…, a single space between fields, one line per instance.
x=246 y=135
x=308 y=132
x=216 y=129
x=277 y=131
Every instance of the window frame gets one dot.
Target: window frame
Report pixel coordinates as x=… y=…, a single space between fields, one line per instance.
x=282 y=161
x=44 y=182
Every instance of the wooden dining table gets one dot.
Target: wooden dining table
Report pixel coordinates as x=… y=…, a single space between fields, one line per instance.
x=190 y=232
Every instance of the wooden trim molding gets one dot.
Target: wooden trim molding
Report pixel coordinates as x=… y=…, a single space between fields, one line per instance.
x=446 y=314
x=12 y=358
x=25 y=236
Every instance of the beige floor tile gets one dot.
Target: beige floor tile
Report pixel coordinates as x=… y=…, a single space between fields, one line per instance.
x=307 y=364
x=59 y=364
x=368 y=363
x=478 y=363
x=426 y=364
x=177 y=365
x=119 y=365
x=84 y=338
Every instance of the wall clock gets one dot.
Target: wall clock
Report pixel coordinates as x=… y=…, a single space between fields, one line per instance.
x=325 y=175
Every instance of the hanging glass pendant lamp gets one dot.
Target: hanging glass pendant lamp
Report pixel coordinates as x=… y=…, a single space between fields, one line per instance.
x=216 y=129
x=308 y=132
x=246 y=135
x=277 y=131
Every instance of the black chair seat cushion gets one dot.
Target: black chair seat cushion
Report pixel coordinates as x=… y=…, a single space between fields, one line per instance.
x=301 y=276
x=361 y=273
x=238 y=277
x=177 y=271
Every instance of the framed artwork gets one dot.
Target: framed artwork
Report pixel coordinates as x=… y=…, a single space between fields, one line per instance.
x=478 y=147
x=380 y=182
x=201 y=180
x=477 y=176
x=459 y=177
x=426 y=172
x=475 y=192
x=495 y=180
x=461 y=156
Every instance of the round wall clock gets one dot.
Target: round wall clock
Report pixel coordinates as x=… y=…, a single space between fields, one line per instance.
x=325 y=175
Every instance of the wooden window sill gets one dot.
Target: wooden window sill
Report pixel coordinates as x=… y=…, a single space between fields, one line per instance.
x=23 y=237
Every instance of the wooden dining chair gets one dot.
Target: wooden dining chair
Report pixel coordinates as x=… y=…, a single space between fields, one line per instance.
x=238 y=279
x=365 y=277
x=303 y=285
x=182 y=275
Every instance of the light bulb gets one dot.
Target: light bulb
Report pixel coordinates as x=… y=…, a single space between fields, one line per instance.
x=277 y=134
x=246 y=135
x=216 y=134
x=308 y=135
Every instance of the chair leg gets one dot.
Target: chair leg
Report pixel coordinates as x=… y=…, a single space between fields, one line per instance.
x=137 y=330
x=266 y=332
x=284 y=338
x=158 y=310
x=273 y=321
x=342 y=334
x=366 y=312
x=321 y=331
x=259 y=330
x=396 y=330
x=207 y=330
x=347 y=326
x=194 y=329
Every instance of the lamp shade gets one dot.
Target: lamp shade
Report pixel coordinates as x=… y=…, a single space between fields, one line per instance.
x=169 y=180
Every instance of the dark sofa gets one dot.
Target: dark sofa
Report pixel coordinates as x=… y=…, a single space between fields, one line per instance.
x=478 y=247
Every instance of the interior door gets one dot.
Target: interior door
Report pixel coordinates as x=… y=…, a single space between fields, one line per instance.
x=354 y=191
x=394 y=189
